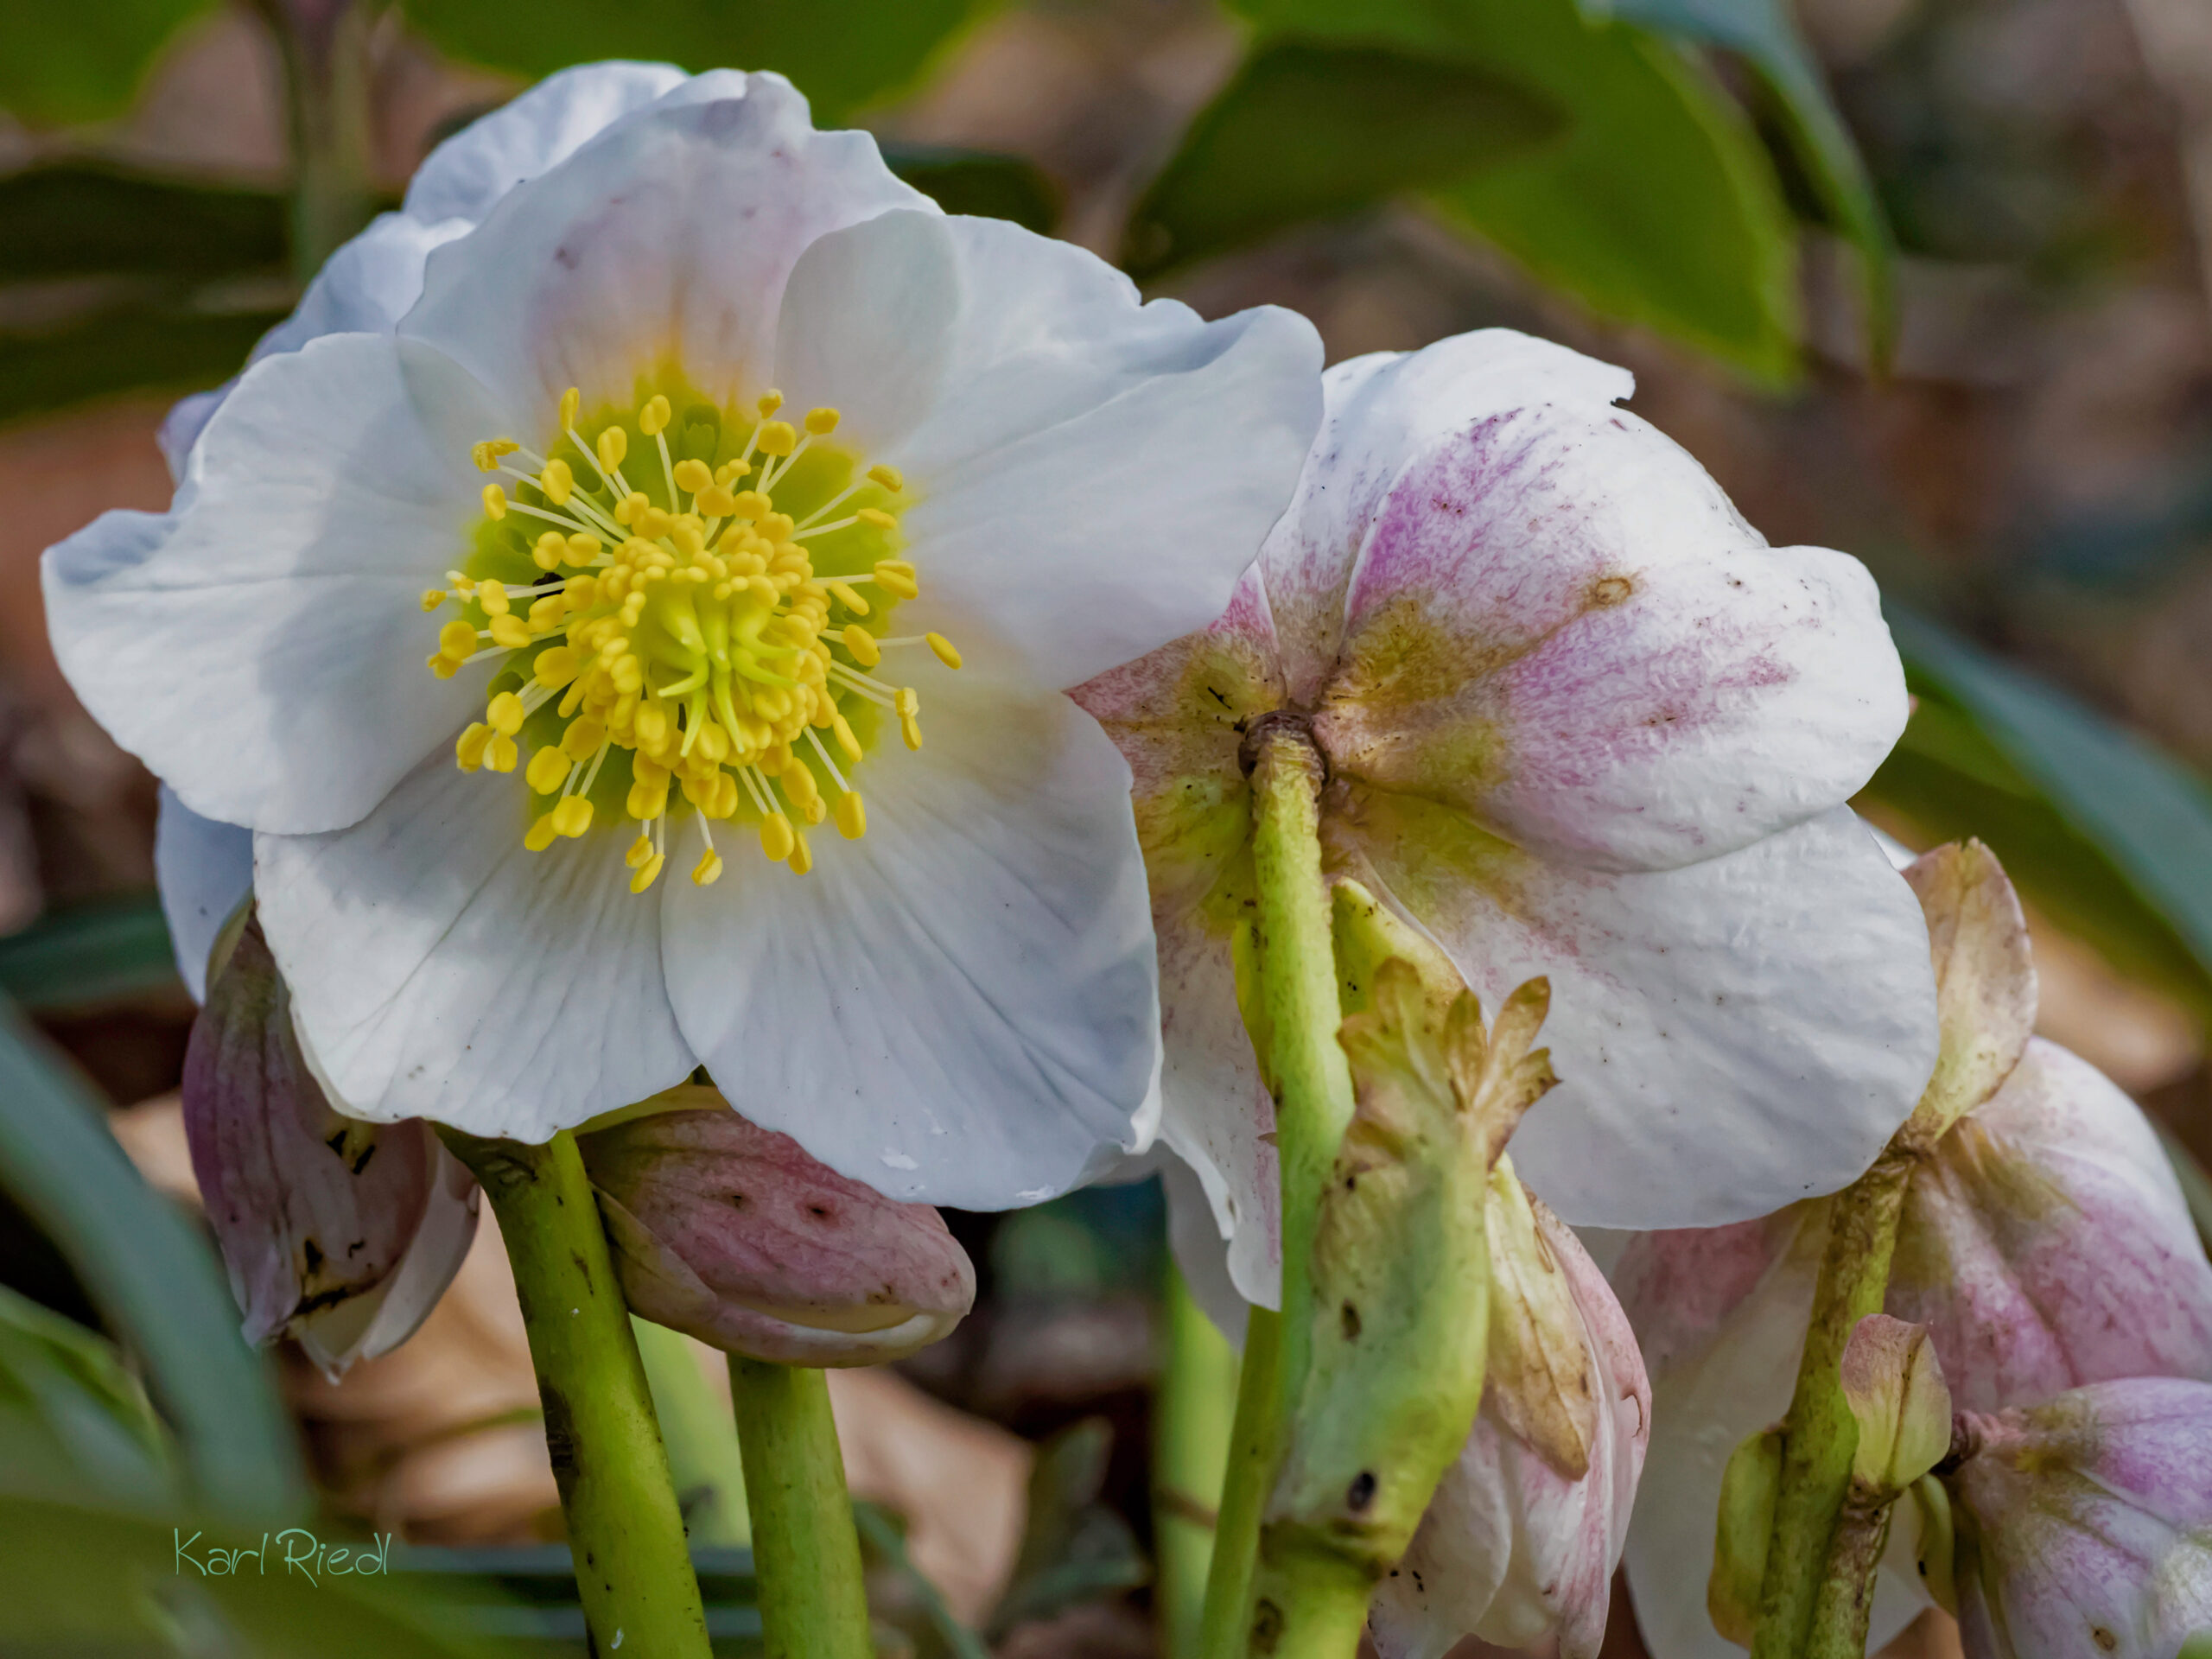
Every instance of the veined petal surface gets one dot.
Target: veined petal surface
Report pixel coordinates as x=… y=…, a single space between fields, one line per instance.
x=206 y=871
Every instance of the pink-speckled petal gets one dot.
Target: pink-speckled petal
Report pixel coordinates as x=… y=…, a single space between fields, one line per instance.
x=2047 y=1245
x=1382 y=411
x=1510 y=1549
x=1561 y=626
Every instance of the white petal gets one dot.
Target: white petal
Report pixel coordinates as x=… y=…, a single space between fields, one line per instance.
x=1093 y=474
x=669 y=238
x=1559 y=624
x=206 y=871
x=464 y=176
x=1730 y=1037
x=962 y=1006
x=261 y=647
x=440 y=970
x=1200 y=1248
x=1383 y=411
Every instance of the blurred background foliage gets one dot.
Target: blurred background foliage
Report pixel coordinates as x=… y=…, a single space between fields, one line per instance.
x=1927 y=279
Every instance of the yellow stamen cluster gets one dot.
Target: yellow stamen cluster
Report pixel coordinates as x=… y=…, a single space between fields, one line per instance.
x=680 y=619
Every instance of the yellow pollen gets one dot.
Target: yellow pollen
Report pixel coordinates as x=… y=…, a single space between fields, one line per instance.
x=686 y=661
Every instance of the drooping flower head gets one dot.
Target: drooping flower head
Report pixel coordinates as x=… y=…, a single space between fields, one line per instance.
x=2044 y=1243
x=1582 y=724
x=643 y=646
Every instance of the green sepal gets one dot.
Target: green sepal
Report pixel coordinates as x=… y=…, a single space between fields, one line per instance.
x=1748 y=1488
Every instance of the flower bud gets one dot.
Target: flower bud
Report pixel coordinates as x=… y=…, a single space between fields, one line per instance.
x=1985 y=981
x=340 y=1233
x=1529 y=1520
x=730 y=1233
x=1894 y=1387
x=2084 y=1524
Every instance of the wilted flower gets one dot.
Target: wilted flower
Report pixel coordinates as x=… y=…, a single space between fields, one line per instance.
x=1582 y=724
x=674 y=612
x=2044 y=1243
x=340 y=1233
x=2084 y=1524
x=731 y=1233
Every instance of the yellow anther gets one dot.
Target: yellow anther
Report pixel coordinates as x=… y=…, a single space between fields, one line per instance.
x=628 y=508
x=862 y=644
x=947 y=652
x=486 y=455
x=730 y=471
x=492 y=596
x=548 y=550
x=509 y=632
x=778 y=837
x=889 y=477
x=495 y=502
x=650 y=522
x=646 y=770
x=851 y=599
x=708 y=870
x=433 y=597
x=877 y=517
x=548 y=770
x=852 y=815
x=648 y=873
x=468 y=749
x=556 y=668
x=797 y=782
x=716 y=501
x=647 y=802
x=501 y=754
x=582 y=740
x=571 y=400
x=441 y=666
x=907 y=701
x=557 y=481
x=690 y=537
x=572 y=817
x=583 y=549
x=693 y=476
x=845 y=740
x=546 y=613
x=770 y=401
x=640 y=853
x=457 y=640
x=750 y=503
x=614 y=444
x=505 y=713
x=653 y=418
x=777 y=438
x=652 y=726
x=911 y=729
x=822 y=421
x=802 y=860
x=896 y=577
x=540 y=834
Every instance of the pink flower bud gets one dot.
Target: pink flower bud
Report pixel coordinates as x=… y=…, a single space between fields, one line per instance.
x=1527 y=1526
x=1895 y=1388
x=730 y=1233
x=2084 y=1524
x=340 y=1233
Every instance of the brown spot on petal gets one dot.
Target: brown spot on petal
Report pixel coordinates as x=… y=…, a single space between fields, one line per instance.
x=2104 y=1638
x=1609 y=591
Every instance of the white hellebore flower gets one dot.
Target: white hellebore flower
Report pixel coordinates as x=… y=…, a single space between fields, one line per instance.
x=1581 y=723
x=666 y=622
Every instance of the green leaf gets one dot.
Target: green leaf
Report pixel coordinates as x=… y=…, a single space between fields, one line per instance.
x=1765 y=33
x=2109 y=837
x=1308 y=130
x=153 y=1275
x=89 y=953
x=74 y=1421
x=842 y=54
x=83 y=218
x=142 y=347
x=62 y=63
x=979 y=182
x=883 y=1537
x=1658 y=206
x=1074 y=1548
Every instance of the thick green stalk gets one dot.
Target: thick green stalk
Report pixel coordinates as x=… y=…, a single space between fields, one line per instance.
x=625 y=1533
x=701 y=1441
x=1312 y=1605
x=1191 y=1427
x=325 y=47
x=1820 y=1434
x=1845 y=1602
x=1298 y=1018
x=806 y=1551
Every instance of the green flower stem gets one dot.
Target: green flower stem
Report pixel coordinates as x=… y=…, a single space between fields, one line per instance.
x=625 y=1533
x=1845 y=1599
x=1320 y=1598
x=806 y=1551
x=702 y=1441
x=1198 y=1395
x=1820 y=1434
x=1294 y=1029
x=327 y=83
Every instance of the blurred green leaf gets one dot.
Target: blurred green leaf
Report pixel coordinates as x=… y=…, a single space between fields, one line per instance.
x=83 y=218
x=155 y=1279
x=88 y=953
x=1658 y=206
x=883 y=1535
x=67 y=63
x=1074 y=1548
x=144 y=346
x=1765 y=33
x=2110 y=837
x=842 y=54
x=1309 y=129
x=978 y=183
x=73 y=1421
